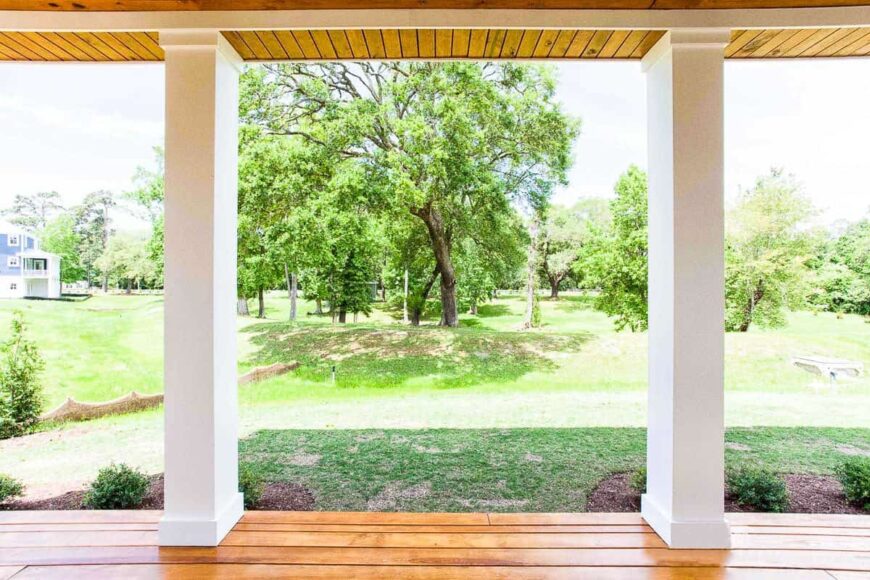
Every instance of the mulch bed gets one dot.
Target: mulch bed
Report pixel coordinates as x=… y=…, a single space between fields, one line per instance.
x=809 y=494
x=276 y=496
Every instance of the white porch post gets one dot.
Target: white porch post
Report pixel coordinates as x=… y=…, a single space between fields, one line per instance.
x=685 y=440
x=202 y=500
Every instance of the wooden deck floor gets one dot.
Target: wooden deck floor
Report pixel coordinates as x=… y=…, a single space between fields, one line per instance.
x=361 y=546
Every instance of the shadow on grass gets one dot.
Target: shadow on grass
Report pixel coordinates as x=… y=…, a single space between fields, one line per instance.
x=574 y=303
x=493 y=310
x=384 y=356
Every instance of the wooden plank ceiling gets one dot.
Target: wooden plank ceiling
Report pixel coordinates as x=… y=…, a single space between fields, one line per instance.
x=162 y=5
x=430 y=44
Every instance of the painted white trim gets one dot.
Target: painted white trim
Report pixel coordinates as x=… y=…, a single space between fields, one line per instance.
x=431 y=18
x=685 y=534
x=191 y=532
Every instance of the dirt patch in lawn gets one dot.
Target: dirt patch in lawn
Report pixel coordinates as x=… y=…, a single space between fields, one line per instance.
x=282 y=496
x=810 y=494
x=614 y=494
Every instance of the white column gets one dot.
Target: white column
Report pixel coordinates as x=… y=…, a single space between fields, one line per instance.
x=201 y=416
x=685 y=440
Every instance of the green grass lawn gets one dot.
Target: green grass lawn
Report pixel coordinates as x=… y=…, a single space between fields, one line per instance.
x=533 y=470
x=576 y=372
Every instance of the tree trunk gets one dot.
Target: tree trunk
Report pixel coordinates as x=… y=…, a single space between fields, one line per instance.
x=417 y=312
x=405 y=301
x=440 y=238
x=294 y=292
x=530 y=278
x=748 y=311
x=342 y=315
x=318 y=306
x=242 y=307
x=473 y=309
x=261 y=304
x=287 y=280
x=554 y=287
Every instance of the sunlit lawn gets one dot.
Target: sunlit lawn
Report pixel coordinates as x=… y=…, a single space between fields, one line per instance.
x=576 y=372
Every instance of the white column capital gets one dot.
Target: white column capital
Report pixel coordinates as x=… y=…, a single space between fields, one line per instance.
x=692 y=38
x=172 y=40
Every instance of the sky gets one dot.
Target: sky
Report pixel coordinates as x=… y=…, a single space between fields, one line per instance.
x=76 y=128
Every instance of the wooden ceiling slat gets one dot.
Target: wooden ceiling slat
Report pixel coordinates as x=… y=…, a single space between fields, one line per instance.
x=579 y=43
x=50 y=46
x=239 y=45
x=426 y=42
x=120 y=47
x=784 y=48
x=742 y=39
x=836 y=47
x=563 y=42
x=134 y=46
x=21 y=53
x=340 y=44
x=477 y=43
x=443 y=43
x=756 y=43
x=511 y=43
x=826 y=42
x=37 y=48
x=461 y=40
x=324 y=44
x=856 y=45
x=150 y=41
x=306 y=43
x=375 y=43
x=545 y=43
x=357 y=42
x=494 y=42
x=812 y=39
x=613 y=43
x=774 y=43
x=528 y=43
x=337 y=44
x=408 y=39
x=392 y=45
x=272 y=44
x=289 y=44
x=85 y=47
x=632 y=40
x=599 y=39
x=647 y=43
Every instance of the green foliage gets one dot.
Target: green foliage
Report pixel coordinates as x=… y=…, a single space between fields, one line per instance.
x=10 y=488
x=117 y=487
x=758 y=487
x=60 y=237
x=565 y=232
x=854 y=474
x=843 y=272
x=767 y=252
x=637 y=481
x=251 y=484
x=127 y=262
x=33 y=211
x=20 y=388
x=615 y=259
x=147 y=195
x=451 y=144
x=93 y=229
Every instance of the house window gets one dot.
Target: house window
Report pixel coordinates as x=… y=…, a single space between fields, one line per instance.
x=13 y=261
x=13 y=286
x=14 y=240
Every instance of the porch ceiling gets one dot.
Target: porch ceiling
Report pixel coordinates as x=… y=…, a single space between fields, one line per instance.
x=423 y=43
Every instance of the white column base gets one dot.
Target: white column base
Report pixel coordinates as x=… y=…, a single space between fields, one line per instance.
x=197 y=532
x=685 y=534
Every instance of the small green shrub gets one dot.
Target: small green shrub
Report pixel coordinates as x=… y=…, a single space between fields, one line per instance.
x=117 y=487
x=20 y=388
x=759 y=488
x=637 y=482
x=10 y=488
x=854 y=474
x=251 y=485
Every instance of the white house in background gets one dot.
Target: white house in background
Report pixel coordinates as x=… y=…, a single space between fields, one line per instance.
x=25 y=270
